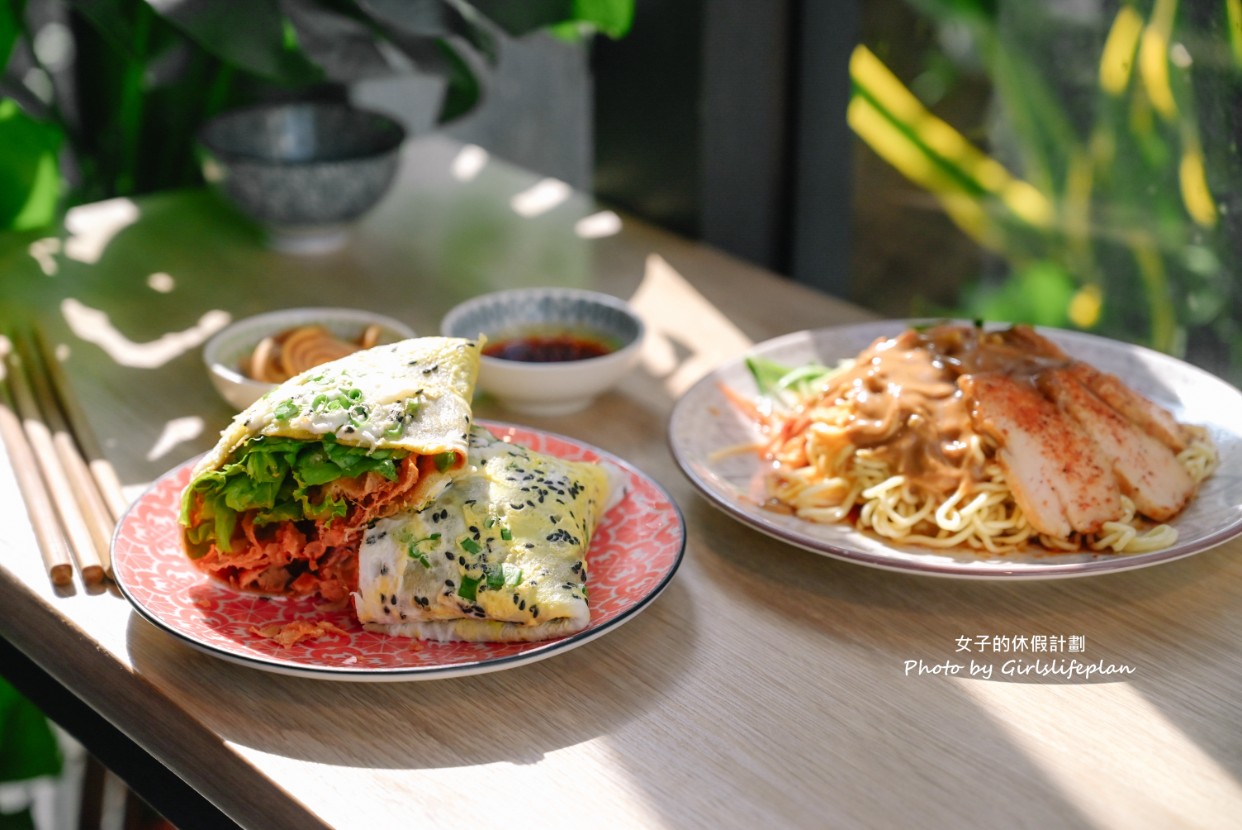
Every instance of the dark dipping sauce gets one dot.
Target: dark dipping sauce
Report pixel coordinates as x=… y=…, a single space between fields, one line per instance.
x=547 y=348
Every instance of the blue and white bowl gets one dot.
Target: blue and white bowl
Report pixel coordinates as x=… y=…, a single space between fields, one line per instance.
x=304 y=171
x=556 y=387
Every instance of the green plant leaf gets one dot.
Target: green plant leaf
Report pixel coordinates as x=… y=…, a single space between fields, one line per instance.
x=970 y=11
x=10 y=29
x=474 y=29
x=518 y=19
x=562 y=17
x=340 y=41
x=252 y=35
x=426 y=17
x=434 y=19
x=28 y=747
x=114 y=21
x=464 y=90
x=1039 y=294
x=610 y=17
x=30 y=181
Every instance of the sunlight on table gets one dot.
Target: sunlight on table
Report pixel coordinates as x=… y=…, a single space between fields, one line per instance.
x=1082 y=777
x=93 y=326
x=679 y=318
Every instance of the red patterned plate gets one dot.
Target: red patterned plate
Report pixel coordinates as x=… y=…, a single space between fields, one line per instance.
x=635 y=552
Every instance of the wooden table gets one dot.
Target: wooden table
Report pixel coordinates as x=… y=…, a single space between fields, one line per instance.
x=767 y=686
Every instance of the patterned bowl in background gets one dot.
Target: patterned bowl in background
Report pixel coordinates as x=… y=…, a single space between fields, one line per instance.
x=304 y=171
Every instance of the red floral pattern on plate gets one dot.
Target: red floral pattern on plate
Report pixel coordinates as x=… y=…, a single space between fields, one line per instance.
x=634 y=553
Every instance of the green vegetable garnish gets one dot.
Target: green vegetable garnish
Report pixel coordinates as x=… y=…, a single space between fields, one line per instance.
x=784 y=384
x=285 y=411
x=412 y=551
x=469 y=588
x=279 y=479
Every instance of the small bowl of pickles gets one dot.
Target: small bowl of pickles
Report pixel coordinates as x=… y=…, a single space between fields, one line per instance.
x=253 y=355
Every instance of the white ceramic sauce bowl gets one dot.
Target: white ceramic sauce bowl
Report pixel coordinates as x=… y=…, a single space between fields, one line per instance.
x=555 y=387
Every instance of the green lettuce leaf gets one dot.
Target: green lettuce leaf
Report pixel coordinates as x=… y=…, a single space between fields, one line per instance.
x=278 y=478
x=785 y=384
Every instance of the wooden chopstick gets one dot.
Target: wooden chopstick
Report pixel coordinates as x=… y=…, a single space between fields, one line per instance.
x=95 y=512
x=100 y=467
x=63 y=486
x=52 y=544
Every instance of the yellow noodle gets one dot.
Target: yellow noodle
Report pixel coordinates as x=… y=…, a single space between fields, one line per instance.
x=856 y=448
x=1199 y=458
x=835 y=477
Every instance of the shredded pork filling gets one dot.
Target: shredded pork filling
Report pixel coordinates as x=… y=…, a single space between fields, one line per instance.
x=313 y=556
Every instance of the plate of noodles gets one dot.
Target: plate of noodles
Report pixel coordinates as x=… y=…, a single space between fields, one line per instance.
x=957 y=449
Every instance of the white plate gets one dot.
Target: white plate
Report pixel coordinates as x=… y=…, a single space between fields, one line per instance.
x=635 y=551
x=704 y=423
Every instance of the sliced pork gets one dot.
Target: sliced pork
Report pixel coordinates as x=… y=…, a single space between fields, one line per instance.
x=1147 y=470
x=1056 y=471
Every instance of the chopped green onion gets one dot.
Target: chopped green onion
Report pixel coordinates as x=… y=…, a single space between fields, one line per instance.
x=285 y=411
x=469 y=588
x=469 y=545
x=435 y=537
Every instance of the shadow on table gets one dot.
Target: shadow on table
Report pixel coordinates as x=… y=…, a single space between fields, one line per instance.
x=515 y=716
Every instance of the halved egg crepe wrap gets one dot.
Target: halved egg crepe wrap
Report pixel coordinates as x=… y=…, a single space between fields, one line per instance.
x=281 y=502
x=500 y=556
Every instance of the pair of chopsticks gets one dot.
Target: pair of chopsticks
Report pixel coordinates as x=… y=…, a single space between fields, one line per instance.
x=72 y=493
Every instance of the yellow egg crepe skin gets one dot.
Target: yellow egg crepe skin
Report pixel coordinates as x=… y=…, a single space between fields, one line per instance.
x=440 y=372
x=499 y=556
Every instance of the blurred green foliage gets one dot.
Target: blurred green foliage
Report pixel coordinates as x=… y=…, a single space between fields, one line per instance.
x=102 y=98
x=1105 y=181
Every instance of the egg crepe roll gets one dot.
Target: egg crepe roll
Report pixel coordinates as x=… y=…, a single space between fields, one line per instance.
x=280 y=503
x=500 y=556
